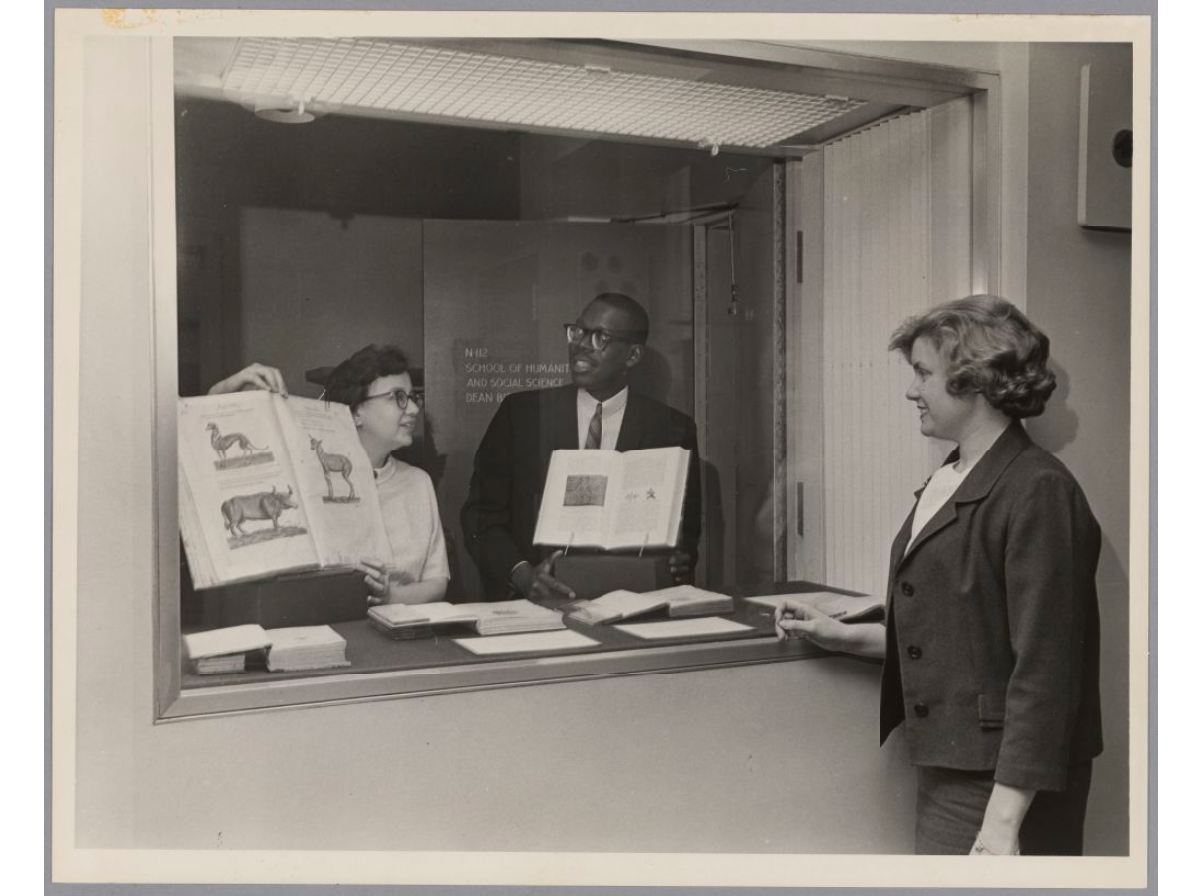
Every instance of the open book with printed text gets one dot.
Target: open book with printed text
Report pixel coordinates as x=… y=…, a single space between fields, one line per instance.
x=613 y=500
x=680 y=600
x=843 y=607
x=403 y=621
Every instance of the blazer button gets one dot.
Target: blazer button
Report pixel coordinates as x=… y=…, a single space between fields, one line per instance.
x=914 y=652
x=906 y=589
x=921 y=710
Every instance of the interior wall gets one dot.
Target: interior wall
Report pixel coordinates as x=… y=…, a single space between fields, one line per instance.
x=264 y=208
x=341 y=164
x=1079 y=292
x=317 y=289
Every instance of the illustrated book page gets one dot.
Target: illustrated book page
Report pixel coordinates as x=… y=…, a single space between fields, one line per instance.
x=270 y=485
x=336 y=482
x=613 y=500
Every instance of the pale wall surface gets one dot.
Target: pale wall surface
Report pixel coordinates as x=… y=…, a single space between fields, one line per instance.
x=1079 y=292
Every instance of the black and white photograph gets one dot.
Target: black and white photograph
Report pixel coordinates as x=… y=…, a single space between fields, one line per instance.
x=854 y=308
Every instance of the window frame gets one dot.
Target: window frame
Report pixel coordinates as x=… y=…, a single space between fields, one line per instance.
x=174 y=703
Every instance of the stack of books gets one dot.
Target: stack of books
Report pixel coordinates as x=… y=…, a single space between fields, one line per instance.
x=223 y=649
x=305 y=648
x=679 y=601
x=301 y=649
x=404 y=621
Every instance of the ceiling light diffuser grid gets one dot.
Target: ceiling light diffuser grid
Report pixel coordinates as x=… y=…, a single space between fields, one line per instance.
x=423 y=80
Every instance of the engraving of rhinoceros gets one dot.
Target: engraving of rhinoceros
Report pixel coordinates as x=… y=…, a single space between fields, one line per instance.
x=258 y=506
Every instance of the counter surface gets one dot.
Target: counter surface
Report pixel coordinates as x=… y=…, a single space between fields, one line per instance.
x=382 y=666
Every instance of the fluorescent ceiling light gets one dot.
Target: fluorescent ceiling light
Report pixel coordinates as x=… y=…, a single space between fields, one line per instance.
x=471 y=87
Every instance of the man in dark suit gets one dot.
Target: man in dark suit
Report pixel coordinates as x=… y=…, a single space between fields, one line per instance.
x=596 y=411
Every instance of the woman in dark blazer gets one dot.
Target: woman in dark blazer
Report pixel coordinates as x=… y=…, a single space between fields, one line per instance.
x=991 y=641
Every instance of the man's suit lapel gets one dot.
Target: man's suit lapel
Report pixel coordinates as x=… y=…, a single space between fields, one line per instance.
x=633 y=424
x=556 y=424
x=560 y=419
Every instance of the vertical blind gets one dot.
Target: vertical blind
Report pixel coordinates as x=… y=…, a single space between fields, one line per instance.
x=882 y=254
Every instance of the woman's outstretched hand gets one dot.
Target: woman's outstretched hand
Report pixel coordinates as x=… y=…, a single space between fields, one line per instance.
x=253 y=376
x=796 y=620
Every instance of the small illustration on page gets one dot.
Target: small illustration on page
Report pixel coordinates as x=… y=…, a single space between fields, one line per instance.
x=250 y=453
x=259 y=506
x=334 y=463
x=585 y=491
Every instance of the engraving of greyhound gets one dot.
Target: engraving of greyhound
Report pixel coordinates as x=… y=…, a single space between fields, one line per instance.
x=333 y=463
x=222 y=444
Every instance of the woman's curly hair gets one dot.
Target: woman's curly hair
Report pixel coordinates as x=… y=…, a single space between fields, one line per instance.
x=350 y=380
x=990 y=347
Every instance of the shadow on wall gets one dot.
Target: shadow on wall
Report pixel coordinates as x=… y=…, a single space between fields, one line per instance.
x=652 y=376
x=1058 y=425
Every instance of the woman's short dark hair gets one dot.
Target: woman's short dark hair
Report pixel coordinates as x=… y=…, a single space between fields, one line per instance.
x=989 y=346
x=349 y=381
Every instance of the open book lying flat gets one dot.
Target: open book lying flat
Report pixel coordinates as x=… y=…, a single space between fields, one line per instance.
x=681 y=600
x=843 y=607
x=613 y=500
x=269 y=485
x=402 y=621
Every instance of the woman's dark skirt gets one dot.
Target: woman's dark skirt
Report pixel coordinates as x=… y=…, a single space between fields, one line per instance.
x=951 y=803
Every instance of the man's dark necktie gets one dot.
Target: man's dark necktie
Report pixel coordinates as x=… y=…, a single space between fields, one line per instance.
x=594 y=428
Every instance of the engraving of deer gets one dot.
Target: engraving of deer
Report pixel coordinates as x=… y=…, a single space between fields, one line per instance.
x=222 y=444
x=333 y=463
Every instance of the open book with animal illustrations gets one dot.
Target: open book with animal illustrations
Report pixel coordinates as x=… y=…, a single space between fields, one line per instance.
x=271 y=485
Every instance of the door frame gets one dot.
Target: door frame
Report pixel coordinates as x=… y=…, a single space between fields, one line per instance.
x=805 y=505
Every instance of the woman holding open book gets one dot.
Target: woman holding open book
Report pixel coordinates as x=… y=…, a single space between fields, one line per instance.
x=376 y=385
x=991 y=644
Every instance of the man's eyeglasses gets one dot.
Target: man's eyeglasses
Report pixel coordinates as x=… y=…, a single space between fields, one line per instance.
x=597 y=339
x=401 y=398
